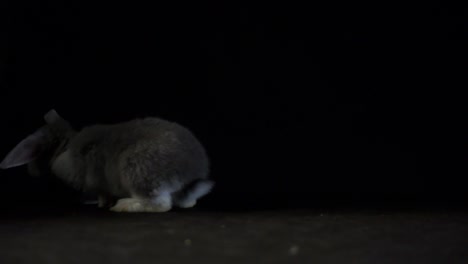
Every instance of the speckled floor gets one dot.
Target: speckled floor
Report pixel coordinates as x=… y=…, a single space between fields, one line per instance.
x=88 y=235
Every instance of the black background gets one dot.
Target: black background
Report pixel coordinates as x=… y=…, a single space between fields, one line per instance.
x=294 y=103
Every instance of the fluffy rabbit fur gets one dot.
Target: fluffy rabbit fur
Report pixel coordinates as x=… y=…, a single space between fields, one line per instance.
x=143 y=165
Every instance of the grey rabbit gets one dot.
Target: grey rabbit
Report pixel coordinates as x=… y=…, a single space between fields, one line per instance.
x=142 y=165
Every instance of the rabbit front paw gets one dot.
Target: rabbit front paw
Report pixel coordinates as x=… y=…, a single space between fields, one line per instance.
x=135 y=205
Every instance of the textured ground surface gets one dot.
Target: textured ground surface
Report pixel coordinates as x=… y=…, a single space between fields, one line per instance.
x=87 y=235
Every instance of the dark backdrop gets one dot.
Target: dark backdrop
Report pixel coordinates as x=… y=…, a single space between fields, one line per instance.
x=296 y=103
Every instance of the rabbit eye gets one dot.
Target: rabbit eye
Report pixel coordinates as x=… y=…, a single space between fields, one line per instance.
x=87 y=148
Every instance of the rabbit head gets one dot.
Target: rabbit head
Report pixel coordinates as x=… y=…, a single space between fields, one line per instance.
x=41 y=148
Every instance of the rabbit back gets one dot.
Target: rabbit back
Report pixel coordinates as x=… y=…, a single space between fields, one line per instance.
x=140 y=157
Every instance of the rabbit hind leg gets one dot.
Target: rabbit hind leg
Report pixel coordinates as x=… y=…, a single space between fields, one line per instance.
x=188 y=197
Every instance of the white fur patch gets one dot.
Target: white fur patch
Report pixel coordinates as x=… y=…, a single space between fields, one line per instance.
x=163 y=200
x=201 y=189
x=135 y=205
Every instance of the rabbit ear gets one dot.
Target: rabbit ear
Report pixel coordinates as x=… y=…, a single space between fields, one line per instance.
x=26 y=151
x=53 y=119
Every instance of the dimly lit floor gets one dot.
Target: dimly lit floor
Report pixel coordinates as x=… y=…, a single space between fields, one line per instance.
x=87 y=235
